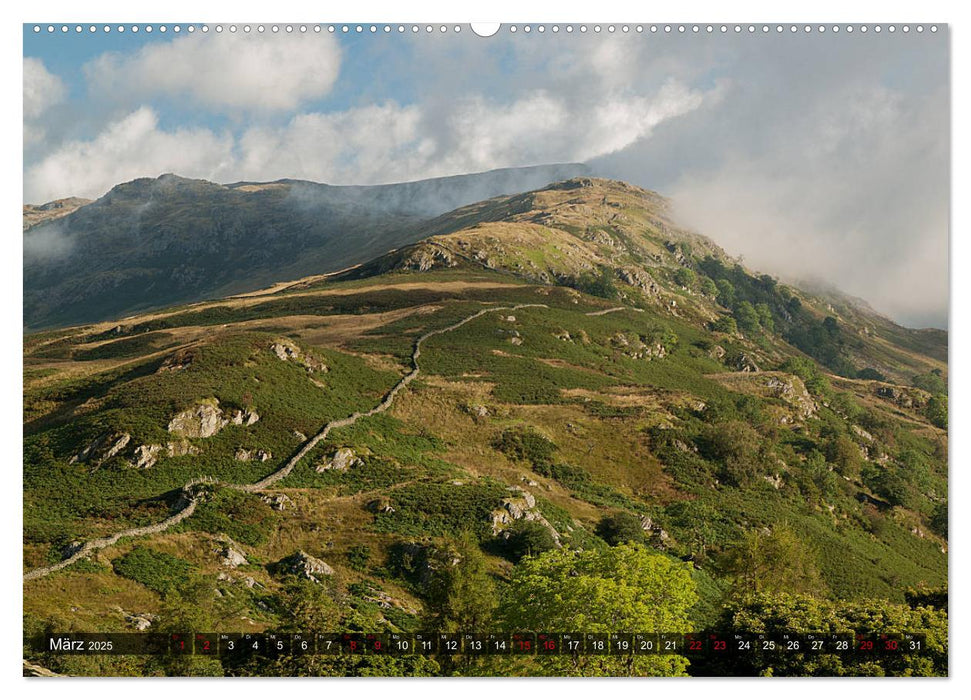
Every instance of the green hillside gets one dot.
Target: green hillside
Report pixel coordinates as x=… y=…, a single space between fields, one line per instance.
x=604 y=389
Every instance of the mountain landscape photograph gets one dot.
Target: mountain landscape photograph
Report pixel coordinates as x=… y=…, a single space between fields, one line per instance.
x=600 y=351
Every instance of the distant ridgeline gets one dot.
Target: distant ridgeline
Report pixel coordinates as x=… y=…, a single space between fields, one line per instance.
x=155 y=242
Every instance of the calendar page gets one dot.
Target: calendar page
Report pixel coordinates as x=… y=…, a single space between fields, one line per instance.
x=448 y=349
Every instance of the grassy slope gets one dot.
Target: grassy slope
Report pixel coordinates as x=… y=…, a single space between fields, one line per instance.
x=608 y=414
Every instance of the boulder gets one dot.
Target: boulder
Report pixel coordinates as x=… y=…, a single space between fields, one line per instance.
x=232 y=556
x=146 y=456
x=342 y=460
x=244 y=455
x=277 y=501
x=305 y=566
x=181 y=448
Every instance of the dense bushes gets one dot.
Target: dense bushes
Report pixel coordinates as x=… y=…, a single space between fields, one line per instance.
x=158 y=571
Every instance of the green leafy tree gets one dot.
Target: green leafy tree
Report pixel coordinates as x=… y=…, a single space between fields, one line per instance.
x=936 y=411
x=747 y=317
x=766 y=319
x=726 y=293
x=738 y=447
x=626 y=587
x=462 y=594
x=725 y=324
x=773 y=561
x=685 y=277
x=776 y=613
x=708 y=287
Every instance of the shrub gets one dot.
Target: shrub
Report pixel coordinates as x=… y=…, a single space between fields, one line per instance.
x=620 y=528
x=527 y=538
x=358 y=557
x=525 y=444
x=158 y=571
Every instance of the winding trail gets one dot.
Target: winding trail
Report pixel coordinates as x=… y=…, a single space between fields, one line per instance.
x=189 y=500
x=604 y=312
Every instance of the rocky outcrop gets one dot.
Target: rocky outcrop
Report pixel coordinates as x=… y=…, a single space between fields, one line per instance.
x=206 y=418
x=232 y=556
x=247 y=418
x=146 y=456
x=635 y=347
x=342 y=460
x=244 y=455
x=278 y=501
x=32 y=670
x=905 y=398
x=102 y=448
x=791 y=389
x=203 y=420
x=140 y=621
x=520 y=506
x=287 y=351
x=178 y=361
x=305 y=566
x=744 y=363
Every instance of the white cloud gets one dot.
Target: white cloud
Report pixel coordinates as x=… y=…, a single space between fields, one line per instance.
x=223 y=72
x=42 y=90
x=131 y=147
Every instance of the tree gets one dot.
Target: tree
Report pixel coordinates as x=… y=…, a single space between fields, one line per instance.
x=739 y=449
x=462 y=594
x=936 y=411
x=708 y=287
x=845 y=455
x=774 y=614
x=773 y=561
x=620 y=528
x=725 y=324
x=766 y=319
x=528 y=538
x=726 y=293
x=684 y=277
x=747 y=317
x=626 y=587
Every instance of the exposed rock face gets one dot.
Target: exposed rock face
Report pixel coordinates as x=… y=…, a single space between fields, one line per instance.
x=244 y=455
x=287 y=351
x=790 y=389
x=635 y=347
x=900 y=396
x=342 y=460
x=140 y=621
x=206 y=418
x=244 y=417
x=232 y=556
x=302 y=564
x=201 y=421
x=520 y=506
x=744 y=363
x=181 y=448
x=278 y=501
x=640 y=279
x=102 y=448
x=146 y=456
x=180 y=360
x=427 y=257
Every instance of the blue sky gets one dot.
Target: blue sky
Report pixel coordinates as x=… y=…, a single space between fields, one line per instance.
x=812 y=155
